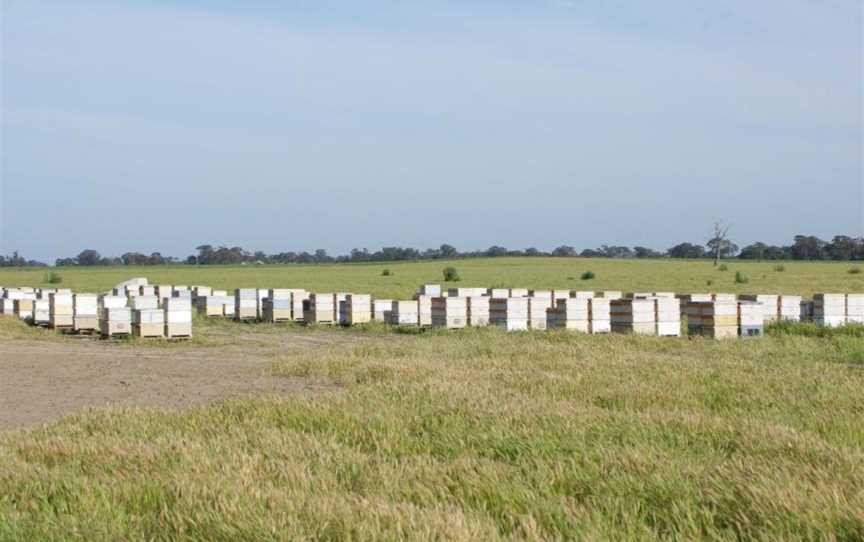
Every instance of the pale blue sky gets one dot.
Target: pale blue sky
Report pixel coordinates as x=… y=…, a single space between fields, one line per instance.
x=321 y=124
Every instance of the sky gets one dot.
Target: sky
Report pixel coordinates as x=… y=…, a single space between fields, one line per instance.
x=277 y=125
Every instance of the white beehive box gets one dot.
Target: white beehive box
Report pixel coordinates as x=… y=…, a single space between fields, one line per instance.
x=611 y=294
x=433 y=290
x=518 y=292
x=510 y=314
x=790 y=307
x=572 y=313
x=276 y=310
x=61 y=310
x=381 y=309
x=600 y=315
x=424 y=309
x=537 y=307
x=319 y=309
x=144 y=302
x=581 y=294
x=246 y=304
x=499 y=293
x=633 y=315
x=147 y=290
x=404 y=313
x=667 y=313
x=41 y=312
x=725 y=298
x=770 y=305
x=358 y=309
x=478 y=310
x=450 y=312
x=829 y=309
x=855 y=308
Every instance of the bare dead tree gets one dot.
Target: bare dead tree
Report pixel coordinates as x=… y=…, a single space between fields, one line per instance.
x=718 y=241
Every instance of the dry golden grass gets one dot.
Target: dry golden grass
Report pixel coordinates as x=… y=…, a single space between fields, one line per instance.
x=475 y=435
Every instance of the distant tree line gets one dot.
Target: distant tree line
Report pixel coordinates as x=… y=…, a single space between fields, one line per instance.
x=803 y=247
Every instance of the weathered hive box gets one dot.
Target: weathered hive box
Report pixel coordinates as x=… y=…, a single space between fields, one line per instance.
x=633 y=315
x=319 y=309
x=61 y=309
x=790 y=307
x=855 y=308
x=510 y=314
x=41 y=312
x=357 y=309
x=499 y=293
x=178 y=317
x=116 y=322
x=751 y=318
x=581 y=294
x=478 y=310
x=433 y=290
x=23 y=308
x=667 y=313
x=381 y=309
x=571 y=313
x=600 y=315
x=537 y=307
x=148 y=322
x=716 y=319
x=806 y=310
x=450 y=312
x=829 y=309
x=770 y=305
x=404 y=313
x=245 y=304
x=143 y=302
x=424 y=309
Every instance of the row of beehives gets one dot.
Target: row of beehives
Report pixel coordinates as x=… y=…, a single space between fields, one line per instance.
x=108 y=315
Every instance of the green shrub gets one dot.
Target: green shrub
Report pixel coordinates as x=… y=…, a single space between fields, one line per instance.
x=451 y=275
x=723 y=267
x=386 y=273
x=780 y=268
x=588 y=275
x=855 y=270
x=53 y=278
x=741 y=278
x=709 y=282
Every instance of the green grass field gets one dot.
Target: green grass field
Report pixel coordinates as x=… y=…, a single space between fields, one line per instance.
x=471 y=435
x=801 y=278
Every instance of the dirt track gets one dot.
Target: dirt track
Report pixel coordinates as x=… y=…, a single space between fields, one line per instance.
x=41 y=381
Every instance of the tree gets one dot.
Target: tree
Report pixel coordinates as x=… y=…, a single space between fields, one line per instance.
x=686 y=250
x=644 y=252
x=808 y=248
x=718 y=245
x=564 y=251
x=88 y=257
x=448 y=251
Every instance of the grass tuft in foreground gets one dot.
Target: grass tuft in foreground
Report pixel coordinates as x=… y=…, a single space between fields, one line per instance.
x=474 y=435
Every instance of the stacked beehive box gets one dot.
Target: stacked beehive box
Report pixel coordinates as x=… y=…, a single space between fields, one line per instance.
x=751 y=318
x=450 y=312
x=61 y=310
x=789 y=307
x=600 y=315
x=246 y=304
x=163 y=292
x=478 y=310
x=319 y=309
x=432 y=290
x=86 y=312
x=213 y=305
x=829 y=309
x=572 y=313
x=199 y=292
x=338 y=298
x=7 y=302
x=770 y=305
x=41 y=312
x=404 y=313
x=357 y=309
x=424 y=310
x=115 y=322
x=716 y=319
x=148 y=322
x=143 y=302
x=633 y=315
x=855 y=308
x=539 y=301
x=667 y=313
x=178 y=317
x=510 y=314
x=381 y=309
x=260 y=295
x=277 y=307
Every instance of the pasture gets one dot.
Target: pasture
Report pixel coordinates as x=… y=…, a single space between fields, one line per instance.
x=476 y=434
x=802 y=278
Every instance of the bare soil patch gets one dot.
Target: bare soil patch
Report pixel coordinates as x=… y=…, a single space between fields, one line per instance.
x=44 y=380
